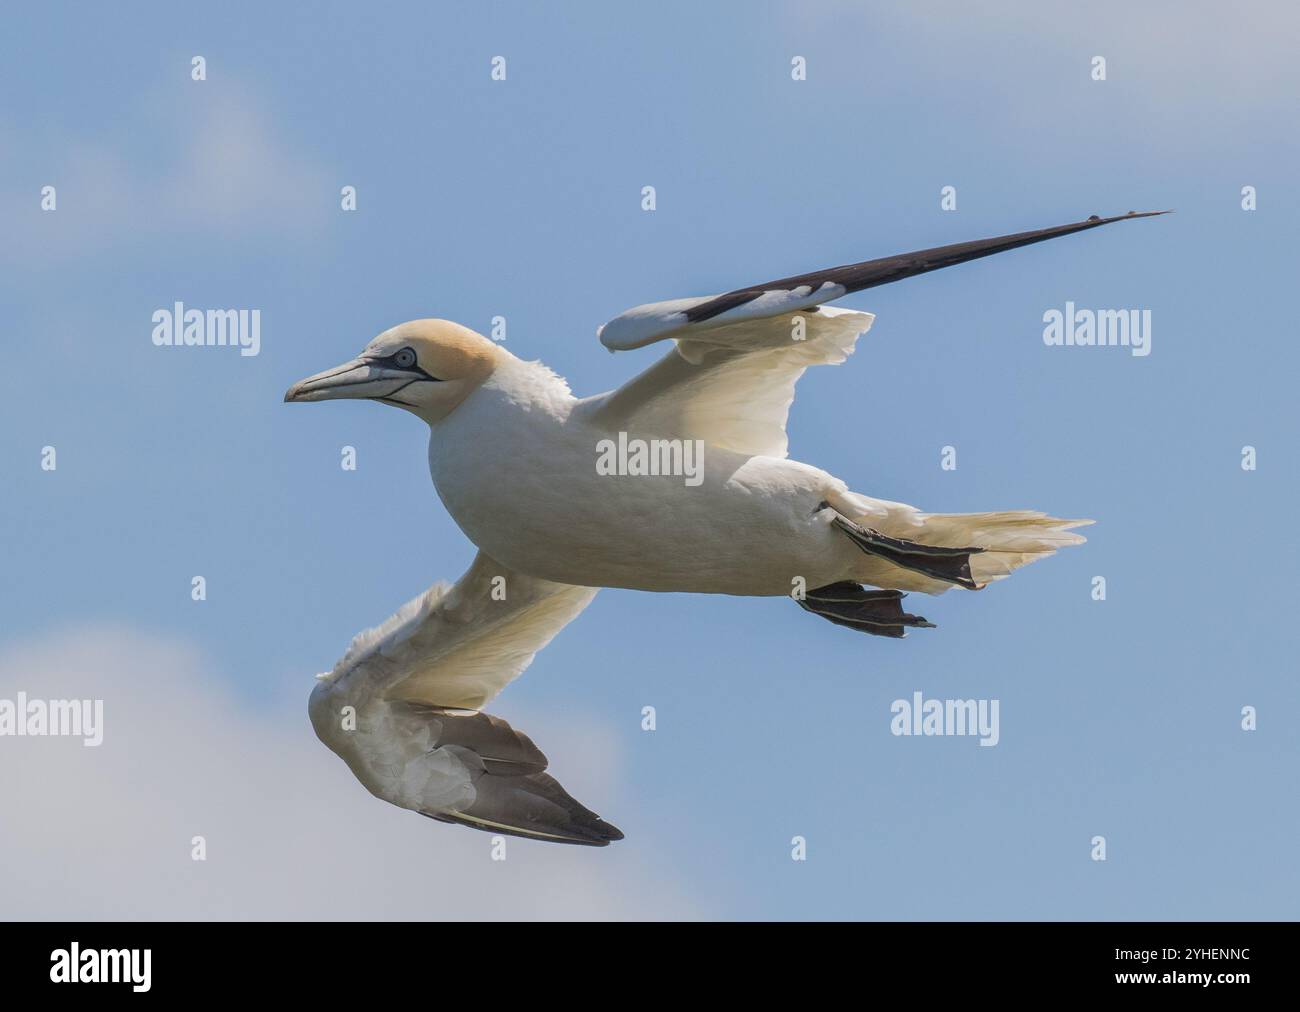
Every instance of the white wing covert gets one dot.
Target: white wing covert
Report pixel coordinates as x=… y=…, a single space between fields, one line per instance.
x=730 y=379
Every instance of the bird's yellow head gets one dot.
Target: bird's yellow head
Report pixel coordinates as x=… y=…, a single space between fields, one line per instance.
x=425 y=366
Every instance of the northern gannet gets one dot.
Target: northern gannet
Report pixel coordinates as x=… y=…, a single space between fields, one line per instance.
x=514 y=459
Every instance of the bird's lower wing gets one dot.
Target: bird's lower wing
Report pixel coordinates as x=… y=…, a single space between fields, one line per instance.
x=513 y=793
x=426 y=672
x=730 y=379
x=458 y=646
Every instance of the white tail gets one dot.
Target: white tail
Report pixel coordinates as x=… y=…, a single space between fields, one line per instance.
x=1009 y=538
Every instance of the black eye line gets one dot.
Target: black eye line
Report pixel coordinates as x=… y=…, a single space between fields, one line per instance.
x=392 y=360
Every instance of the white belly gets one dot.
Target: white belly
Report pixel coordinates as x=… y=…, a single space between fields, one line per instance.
x=526 y=490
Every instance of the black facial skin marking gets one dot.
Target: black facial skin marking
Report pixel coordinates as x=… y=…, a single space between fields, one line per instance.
x=394 y=399
x=408 y=363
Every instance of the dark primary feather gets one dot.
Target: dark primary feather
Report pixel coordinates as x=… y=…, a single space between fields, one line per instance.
x=513 y=794
x=871 y=273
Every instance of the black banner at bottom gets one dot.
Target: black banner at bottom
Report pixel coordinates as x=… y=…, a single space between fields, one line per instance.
x=369 y=960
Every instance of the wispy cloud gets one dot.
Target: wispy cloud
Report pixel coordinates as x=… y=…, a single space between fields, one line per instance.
x=98 y=833
x=213 y=167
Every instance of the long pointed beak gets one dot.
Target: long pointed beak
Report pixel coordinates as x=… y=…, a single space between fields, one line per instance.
x=355 y=379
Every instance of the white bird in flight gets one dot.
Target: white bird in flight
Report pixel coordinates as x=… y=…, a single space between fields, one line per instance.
x=516 y=460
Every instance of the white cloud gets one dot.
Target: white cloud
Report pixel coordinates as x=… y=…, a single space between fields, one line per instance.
x=100 y=833
x=213 y=165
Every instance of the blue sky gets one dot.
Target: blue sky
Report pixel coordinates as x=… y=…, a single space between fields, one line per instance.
x=522 y=198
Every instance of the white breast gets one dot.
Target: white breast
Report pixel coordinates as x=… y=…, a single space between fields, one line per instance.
x=519 y=476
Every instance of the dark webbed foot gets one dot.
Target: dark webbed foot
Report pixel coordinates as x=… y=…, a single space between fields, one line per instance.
x=878 y=612
x=951 y=565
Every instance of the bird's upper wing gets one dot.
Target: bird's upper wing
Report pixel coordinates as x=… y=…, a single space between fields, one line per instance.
x=443 y=656
x=730 y=379
x=733 y=385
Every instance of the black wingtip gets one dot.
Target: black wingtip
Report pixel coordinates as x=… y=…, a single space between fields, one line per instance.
x=886 y=270
x=1097 y=219
x=595 y=833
